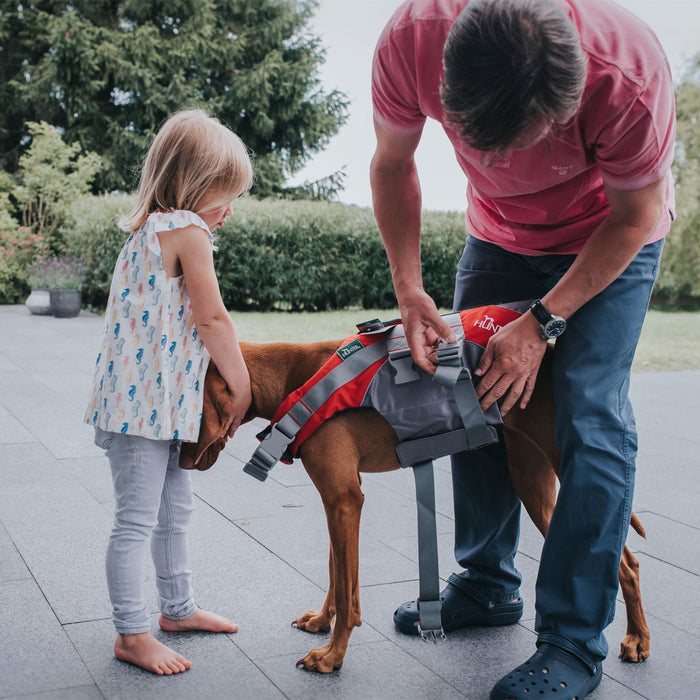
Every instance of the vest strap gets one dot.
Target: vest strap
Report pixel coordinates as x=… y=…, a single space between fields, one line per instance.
x=282 y=433
x=452 y=372
x=429 y=605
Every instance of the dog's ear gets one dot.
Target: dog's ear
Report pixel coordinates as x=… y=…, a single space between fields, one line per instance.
x=216 y=418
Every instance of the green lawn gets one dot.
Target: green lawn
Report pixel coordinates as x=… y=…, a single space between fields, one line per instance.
x=670 y=340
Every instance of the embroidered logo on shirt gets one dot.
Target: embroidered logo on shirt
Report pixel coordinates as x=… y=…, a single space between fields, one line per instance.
x=562 y=169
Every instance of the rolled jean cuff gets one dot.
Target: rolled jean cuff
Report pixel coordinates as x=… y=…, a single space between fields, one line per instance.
x=135 y=628
x=181 y=612
x=487 y=598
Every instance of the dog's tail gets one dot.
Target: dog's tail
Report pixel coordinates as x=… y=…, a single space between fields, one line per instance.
x=637 y=526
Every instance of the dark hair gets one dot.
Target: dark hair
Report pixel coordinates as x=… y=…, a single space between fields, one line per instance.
x=511 y=65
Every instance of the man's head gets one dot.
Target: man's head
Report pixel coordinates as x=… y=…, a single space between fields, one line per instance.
x=513 y=68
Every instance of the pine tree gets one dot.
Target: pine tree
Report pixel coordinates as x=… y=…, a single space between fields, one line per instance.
x=107 y=73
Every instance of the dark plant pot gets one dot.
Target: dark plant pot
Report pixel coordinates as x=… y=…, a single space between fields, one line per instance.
x=39 y=302
x=65 y=303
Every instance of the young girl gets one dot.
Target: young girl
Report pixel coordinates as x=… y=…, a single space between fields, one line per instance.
x=165 y=318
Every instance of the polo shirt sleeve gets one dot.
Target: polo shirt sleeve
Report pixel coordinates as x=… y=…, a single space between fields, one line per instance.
x=395 y=97
x=635 y=145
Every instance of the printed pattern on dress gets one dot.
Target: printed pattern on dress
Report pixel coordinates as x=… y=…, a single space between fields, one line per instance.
x=150 y=370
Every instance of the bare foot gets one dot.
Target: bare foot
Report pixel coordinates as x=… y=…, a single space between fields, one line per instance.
x=146 y=651
x=200 y=620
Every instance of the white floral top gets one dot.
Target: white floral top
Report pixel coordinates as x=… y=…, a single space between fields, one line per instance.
x=150 y=370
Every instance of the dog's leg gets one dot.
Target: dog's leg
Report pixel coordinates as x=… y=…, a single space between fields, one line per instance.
x=332 y=458
x=322 y=620
x=636 y=646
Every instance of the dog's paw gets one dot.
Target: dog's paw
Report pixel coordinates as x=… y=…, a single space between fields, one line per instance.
x=634 y=648
x=321 y=660
x=314 y=622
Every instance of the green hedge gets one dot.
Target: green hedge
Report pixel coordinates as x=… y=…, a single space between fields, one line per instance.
x=281 y=254
x=302 y=255
x=678 y=283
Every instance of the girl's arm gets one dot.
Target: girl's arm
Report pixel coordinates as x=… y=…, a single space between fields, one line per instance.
x=191 y=247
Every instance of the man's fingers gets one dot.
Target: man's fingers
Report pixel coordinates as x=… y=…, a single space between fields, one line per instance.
x=443 y=330
x=527 y=393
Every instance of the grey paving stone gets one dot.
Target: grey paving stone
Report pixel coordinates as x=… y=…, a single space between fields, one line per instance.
x=667 y=673
x=84 y=692
x=251 y=584
x=22 y=463
x=12 y=567
x=470 y=660
x=305 y=546
x=670 y=594
x=13 y=432
x=671 y=542
x=219 y=668
x=374 y=671
x=61 y=532
x=239 y=496
x=259 y=554
x=35 y=653
x=94 y=475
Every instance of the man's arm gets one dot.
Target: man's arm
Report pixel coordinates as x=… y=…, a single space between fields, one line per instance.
x=396 y=199
x=509 y=365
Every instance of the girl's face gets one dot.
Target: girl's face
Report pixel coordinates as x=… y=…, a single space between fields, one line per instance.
x=215 y=209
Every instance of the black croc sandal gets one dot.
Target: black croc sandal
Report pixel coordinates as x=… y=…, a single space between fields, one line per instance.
x=550 y=673
x=459 y=609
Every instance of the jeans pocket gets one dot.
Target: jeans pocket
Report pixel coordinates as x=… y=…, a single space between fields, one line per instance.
x=103 y=438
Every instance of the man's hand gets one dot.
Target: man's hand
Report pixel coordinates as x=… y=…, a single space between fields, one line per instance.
x=508 y=368
x=424 y=327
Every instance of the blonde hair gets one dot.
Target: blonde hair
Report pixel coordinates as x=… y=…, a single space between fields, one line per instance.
x=192 y=155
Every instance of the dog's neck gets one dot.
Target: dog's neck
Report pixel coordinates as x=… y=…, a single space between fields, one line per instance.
x=293 y=363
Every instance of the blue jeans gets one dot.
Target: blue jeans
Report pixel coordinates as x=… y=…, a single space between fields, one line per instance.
x=595 y=430
x=153 y=501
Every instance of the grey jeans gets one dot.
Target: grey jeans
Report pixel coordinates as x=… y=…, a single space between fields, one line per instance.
x=153 y=501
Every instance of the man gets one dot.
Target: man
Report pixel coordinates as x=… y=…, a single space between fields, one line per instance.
x=561 y=115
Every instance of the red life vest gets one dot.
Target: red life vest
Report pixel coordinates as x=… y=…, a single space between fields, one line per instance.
x=367 y=358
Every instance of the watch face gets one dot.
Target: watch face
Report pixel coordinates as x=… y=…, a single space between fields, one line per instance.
x=554 y=328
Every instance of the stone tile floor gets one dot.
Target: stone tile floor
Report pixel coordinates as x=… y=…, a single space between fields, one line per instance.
x=259 y=556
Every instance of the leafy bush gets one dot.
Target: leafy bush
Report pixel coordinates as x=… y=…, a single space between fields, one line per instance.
x=280 y=254
x=52 y=175
x=18 y=248
x=93 y=235
x=303 y=255
x=296 y=255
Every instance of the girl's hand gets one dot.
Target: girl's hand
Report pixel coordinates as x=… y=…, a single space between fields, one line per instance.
x=240 y=403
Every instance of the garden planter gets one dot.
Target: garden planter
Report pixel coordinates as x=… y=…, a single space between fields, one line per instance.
x=65 y=303
x=39 y=302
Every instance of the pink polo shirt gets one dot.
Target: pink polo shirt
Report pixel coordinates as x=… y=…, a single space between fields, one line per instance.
x=549 y=198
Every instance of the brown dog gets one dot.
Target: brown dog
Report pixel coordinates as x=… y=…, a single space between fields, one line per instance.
x=362 y=441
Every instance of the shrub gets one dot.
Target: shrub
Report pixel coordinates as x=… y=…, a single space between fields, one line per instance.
x=52 y=175
x=303 y=255
x=280 y=254
x=93 y=235
x=678 y=283
x=18 y=248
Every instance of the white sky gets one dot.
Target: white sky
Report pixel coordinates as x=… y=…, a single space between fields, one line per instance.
x=349 y=30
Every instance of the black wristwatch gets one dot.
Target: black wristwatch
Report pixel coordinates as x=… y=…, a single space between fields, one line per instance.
x=552 y=326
